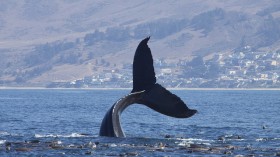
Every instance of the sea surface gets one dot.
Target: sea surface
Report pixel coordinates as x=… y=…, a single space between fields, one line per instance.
x=65 y=122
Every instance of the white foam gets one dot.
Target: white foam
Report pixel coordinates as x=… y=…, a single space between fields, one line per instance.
x=4 y=133
x=195 y=139
x=113 y=145
x=59 y=142
x=2 y=141
x=41 y=136
x=76 y=135
x=187 y=141
x=266 y=139
x=54 y=135
x=261 y=139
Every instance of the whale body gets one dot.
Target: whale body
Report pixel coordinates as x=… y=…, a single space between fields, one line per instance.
x=146 y=92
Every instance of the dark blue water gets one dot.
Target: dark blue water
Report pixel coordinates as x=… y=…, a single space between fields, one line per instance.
x=66 y=123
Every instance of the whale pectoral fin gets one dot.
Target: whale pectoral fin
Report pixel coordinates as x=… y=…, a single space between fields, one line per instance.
x=161 y=100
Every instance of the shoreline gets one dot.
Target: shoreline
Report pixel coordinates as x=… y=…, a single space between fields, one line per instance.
x=205 y=89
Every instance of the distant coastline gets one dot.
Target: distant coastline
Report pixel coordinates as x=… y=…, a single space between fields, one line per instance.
x=43 y=88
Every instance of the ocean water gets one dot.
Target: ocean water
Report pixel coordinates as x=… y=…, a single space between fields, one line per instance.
x=65 y=122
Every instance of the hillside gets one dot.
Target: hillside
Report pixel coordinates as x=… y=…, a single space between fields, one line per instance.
x=65 y=40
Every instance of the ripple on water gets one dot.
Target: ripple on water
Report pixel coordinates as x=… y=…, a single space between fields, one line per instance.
x=51 y=122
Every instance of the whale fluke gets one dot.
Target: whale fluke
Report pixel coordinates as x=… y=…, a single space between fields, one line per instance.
x=163 y=101
x=143 y=69
x=146 y=92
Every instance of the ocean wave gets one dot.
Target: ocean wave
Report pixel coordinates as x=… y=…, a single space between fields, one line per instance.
x=57 y=135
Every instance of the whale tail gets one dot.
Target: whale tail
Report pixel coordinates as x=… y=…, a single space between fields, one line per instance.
x=155 y=96
x=145 y=91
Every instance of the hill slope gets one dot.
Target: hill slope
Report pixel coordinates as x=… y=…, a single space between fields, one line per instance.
x=63 y=40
